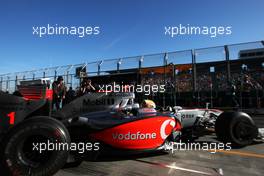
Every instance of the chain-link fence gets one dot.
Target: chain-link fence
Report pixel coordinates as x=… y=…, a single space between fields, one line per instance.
x=224 y=76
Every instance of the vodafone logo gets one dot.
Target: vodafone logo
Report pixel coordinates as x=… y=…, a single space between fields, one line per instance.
x=170 y=122
x=134 y=136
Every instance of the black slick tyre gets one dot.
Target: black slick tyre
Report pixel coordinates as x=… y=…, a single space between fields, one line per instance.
x=21 y=156
x=237 y=128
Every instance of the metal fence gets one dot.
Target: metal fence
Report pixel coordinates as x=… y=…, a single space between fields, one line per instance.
x=230 y=75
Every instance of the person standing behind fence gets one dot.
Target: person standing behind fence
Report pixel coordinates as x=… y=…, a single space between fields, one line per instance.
x=87 y=86
x=59 y=92
x=235 y=103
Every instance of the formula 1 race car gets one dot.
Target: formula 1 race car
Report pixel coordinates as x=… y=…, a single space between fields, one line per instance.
x=34 y=140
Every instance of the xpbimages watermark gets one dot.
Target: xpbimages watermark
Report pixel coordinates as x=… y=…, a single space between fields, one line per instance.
x=146 y=89
x=78 y=31
x=212 y=31
x=203 y=146
x=80 y=147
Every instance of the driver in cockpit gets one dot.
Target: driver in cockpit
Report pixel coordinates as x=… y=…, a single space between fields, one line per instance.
x=148 y=107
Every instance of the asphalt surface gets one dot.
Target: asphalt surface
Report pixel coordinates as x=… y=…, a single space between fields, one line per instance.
x=241 y=162
x=244 y=161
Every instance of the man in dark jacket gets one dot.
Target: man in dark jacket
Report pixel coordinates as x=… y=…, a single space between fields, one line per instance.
x=59 y=92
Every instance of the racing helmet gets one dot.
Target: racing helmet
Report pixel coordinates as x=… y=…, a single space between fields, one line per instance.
x=148 y=104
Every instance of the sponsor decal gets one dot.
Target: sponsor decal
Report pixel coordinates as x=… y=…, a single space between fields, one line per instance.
x=143 y=136
x=134 y=136
x=101 y=101
x=163 y=127
x=187 y=116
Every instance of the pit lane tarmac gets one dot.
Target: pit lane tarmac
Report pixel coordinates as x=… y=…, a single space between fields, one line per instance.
x=242 y=162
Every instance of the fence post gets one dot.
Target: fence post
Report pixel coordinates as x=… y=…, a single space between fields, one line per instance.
x=139 y=67
x=67 y=77
x=140 y=62
x=16 y=83
x=141 y=59
x=194 y=70
x=227 y=64
x=44 y=74
x=7 y=84
x=99 y=68
x=55 y=75
x=194 y=78
x=119 y=62
x=71 y=80
x=174 y=75
x=33 y=77
x=165 y=63
x=1 y=85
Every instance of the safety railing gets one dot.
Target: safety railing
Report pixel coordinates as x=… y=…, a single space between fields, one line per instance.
x=215 y=74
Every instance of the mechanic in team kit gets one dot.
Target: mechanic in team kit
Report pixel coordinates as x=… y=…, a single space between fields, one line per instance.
x=59 y=93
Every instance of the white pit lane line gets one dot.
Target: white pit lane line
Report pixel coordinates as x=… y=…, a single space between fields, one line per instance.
x=218 y=172
x=174 y=167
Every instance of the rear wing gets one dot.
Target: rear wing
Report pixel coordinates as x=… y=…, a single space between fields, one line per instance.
x=35 y=92
x=36 y=89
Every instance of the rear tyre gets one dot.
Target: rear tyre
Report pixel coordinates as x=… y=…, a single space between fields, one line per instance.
x=22 y=157
x=237 y=128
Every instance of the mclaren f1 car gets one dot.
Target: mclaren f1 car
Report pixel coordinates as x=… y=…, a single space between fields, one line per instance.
x=97 y=121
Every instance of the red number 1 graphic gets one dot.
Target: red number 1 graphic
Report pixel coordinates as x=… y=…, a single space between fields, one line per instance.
x=11 y=116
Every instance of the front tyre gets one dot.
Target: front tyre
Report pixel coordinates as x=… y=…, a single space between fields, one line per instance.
x=22 y=157
x=235 y=127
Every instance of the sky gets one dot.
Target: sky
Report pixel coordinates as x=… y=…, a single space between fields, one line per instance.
x=127 y=28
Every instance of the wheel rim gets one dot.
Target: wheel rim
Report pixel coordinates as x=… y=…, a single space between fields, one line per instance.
x=243 y=131
x=30 y=157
